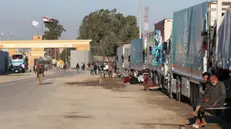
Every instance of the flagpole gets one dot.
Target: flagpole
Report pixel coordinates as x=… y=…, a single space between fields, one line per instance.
x=32 y=29
x=42 y=27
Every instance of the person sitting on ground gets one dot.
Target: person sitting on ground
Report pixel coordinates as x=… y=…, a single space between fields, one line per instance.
x=201 y=99
x=215 y=97
x=140 y=77
x=133 y=77
x=148 y=81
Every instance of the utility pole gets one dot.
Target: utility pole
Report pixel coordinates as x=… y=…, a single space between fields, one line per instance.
x=146 y=29
x=140 y=18
x=55 y=54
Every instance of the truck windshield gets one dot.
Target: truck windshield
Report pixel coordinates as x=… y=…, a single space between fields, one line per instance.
x=17 y=56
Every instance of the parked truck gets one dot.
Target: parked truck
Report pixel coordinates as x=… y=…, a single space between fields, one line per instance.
x=127 y=56
x=160 y=62
x=191 y=49
x=119 y=57
x=137 y=54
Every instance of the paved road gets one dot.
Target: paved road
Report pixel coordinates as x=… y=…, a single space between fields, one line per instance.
x=25 y=94
x=76 y=101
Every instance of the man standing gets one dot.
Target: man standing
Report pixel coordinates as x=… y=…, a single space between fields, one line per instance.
x=77 y=67
x=95 y=68
x=40 y=72
x=110 y=70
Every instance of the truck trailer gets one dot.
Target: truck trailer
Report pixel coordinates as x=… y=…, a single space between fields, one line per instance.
x=191 y=48
x=119 y=57
x=127 y=56
x=137 y=54
x=163 y=32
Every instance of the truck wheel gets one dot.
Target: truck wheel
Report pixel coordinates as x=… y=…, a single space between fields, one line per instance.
x=178 y=85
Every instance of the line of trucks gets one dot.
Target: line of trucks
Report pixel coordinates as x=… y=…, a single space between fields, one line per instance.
x=181 y=49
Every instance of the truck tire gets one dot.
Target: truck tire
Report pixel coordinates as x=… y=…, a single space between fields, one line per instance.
x=178 y=85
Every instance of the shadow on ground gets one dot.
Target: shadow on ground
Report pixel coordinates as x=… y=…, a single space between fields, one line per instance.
x=109 y=83
x=47 y=83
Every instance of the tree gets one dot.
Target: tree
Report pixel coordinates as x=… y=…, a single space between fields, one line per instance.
x=53 y=32
x=107 y=29
x=65 y=54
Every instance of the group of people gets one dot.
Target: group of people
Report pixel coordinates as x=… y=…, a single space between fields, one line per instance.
x=143 y=77
x=102 y=69
x=82 y=67
x=214 y=96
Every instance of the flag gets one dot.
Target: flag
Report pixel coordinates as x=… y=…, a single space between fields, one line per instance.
x=47 y=20
x=35 y=23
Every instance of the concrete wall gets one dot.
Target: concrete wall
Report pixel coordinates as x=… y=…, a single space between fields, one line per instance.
x=80 y=57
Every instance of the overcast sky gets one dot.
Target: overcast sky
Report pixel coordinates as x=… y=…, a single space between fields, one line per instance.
x=17 y=15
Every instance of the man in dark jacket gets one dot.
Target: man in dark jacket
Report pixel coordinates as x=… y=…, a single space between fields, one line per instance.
x=77 y=67
x=215 y=97
x=201 y=99
x=40 y=72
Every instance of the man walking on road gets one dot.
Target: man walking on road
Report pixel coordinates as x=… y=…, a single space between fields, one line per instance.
x=40 y=72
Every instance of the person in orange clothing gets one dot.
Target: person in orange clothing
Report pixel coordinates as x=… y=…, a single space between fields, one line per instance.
x=148 y=82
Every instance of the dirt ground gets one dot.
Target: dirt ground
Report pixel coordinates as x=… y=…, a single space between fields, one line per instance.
x=80 y=103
